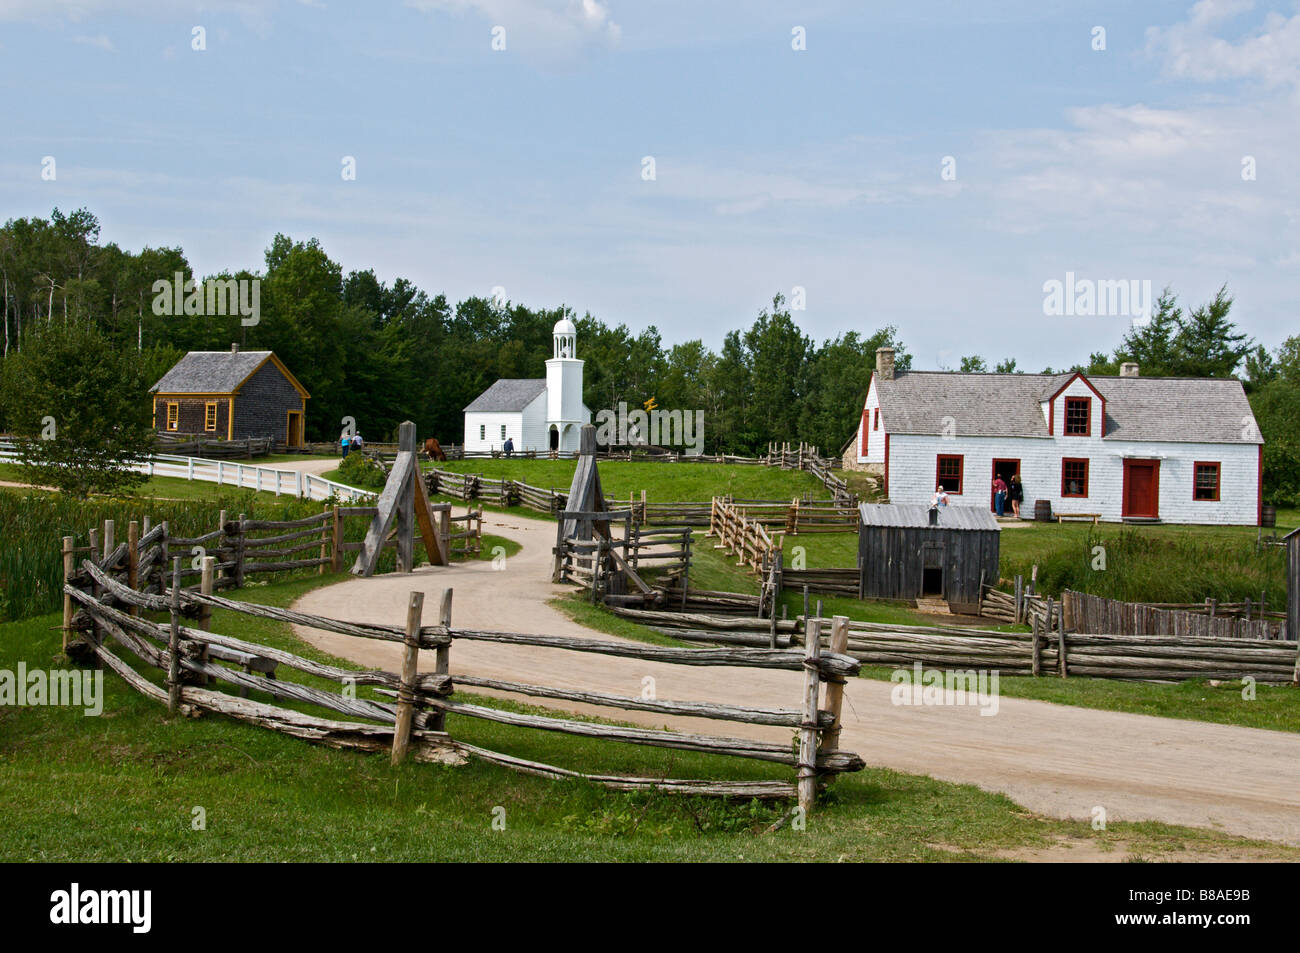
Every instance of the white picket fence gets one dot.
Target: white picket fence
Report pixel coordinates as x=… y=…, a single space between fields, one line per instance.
x=246 y=476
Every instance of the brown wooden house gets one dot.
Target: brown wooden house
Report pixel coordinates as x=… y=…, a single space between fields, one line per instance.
x=231 y=395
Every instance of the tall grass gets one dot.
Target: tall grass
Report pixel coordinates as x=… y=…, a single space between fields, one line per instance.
x=1134 y=566
x=33 y=524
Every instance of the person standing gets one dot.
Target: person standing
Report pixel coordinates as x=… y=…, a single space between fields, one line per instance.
x=1016 y=492
x=357 y=442
x=999 y=495
x=509 y=447
x=345 y=444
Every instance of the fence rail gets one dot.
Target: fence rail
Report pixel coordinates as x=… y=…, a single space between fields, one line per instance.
x=409 y=718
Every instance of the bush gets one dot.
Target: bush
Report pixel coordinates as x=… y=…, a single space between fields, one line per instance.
x=361 y=471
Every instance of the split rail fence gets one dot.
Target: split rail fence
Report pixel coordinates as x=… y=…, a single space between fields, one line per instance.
x=409 y=719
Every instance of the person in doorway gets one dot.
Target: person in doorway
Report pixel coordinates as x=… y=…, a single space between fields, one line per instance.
x=940 y=497
x=1016 y=493
x=345 y=444
x=999 y=495
x=509 y=447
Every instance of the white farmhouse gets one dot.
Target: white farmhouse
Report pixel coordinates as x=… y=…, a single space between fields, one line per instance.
x=536 y=413
x=1131 y=448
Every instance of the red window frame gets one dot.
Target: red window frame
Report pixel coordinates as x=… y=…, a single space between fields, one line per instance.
x=1218 y=480
x=877 y=420
x=961 y=470
x=1065 y=463
x=1087 y=417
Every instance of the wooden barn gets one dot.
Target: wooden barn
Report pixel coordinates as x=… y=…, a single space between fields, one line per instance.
x=902 y=554
x=231 y=395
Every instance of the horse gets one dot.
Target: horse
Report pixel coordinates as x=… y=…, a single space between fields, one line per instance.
x=433 y=450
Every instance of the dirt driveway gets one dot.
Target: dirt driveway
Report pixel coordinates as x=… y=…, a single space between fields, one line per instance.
x=1053 y=759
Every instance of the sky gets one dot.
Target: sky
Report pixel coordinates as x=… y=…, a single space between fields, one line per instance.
x=929 y=165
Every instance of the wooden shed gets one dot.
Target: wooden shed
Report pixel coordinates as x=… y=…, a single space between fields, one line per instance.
x=902 y=554
x=1293 y=587
x=231 y=395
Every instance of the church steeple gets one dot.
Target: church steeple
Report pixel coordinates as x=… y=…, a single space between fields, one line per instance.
x=565 y=336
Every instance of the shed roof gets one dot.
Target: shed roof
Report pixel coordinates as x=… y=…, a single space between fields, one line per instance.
x=508 y=394
x=217 y=372
x=918 y=515
x=1174 y=409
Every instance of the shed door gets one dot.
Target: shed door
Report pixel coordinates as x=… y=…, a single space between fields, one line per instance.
x=932 y=562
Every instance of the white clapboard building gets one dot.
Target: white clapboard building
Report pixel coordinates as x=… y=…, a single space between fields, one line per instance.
x=1176 y=450
x=536 y=413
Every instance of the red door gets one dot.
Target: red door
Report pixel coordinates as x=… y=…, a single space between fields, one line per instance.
x=1142 y=488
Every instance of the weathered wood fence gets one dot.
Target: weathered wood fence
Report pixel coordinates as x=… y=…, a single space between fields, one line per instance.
x=110 y=614
x=1213 y=620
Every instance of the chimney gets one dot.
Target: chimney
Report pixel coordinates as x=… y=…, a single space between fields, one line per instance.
x=934 y=516
x=234 y=348
x=885 y=363
x=1128 y=369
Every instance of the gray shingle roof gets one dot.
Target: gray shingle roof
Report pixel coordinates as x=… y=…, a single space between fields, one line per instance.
x=508 y=394
x=917 y=514
x=1174 y=409
x=210 y=372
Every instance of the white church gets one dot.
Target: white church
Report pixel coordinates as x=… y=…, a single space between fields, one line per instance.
x=536 y=413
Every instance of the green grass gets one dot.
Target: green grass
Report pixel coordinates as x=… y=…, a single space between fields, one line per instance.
x=163 y=488
x=123 y=787
x=663 y=482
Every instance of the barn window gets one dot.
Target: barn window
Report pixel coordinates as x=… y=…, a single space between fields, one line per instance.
x=949 y=473
x=482 y=431
x=173 y=415
x=1074 y=477
x=210 y=415
x=1206 y=486
x=1078 y=416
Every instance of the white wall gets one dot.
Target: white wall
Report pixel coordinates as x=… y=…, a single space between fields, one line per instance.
x=913 y=460
x=527 y=427
x=871 y=441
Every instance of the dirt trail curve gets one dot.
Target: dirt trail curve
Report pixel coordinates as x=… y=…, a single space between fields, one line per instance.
x=1053 y=759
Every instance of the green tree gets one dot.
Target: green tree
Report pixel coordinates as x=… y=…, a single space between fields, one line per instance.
x=1208 y=344
x=79 y=410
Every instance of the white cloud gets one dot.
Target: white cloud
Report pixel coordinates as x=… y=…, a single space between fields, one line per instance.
x=1270 y=54
x=99 y=41
x=543 y=26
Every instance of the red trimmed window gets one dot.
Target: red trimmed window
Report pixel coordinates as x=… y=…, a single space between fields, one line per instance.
x=1078 y=416
x=1074 y=477
x=948 y=472
x=1206 y=484
x=877 y=426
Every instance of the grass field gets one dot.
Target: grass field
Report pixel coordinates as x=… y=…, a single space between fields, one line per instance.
x=164 y=488
x=124 y=786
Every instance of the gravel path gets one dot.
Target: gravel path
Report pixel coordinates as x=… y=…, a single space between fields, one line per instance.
x=1053 y=759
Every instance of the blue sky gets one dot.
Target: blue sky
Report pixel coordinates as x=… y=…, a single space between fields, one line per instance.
x=774 y=168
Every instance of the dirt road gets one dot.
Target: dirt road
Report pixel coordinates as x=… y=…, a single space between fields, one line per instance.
x=1053 y=759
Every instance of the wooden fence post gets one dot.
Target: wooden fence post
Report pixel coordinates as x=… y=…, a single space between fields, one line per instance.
x=174 y=642
x=206 y=578
x=1037 y=650
x=324 y=541
x=69 y=543
x=807 y=776
x=133 y=560
x=442 y=656
x=336 y=545
x=239 y=553
x=835 y=687
x=1060 y=638
x=110 y=541
x=406 y=692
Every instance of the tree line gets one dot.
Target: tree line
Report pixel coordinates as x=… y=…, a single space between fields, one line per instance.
x=383 y=352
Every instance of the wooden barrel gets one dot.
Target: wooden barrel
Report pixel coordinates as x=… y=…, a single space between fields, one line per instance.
x=1268 y=516
x=1043 y=511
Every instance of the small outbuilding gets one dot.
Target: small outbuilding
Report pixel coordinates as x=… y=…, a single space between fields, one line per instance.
x=909 y=550
x=231 y=395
